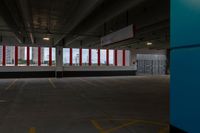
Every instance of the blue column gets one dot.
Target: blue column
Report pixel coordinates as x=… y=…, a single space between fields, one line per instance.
x=185 y=65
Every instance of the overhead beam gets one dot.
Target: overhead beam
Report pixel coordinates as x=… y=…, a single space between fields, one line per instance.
x=10 y=21
x=101 y=15
x=83 y=10
x=27 y=17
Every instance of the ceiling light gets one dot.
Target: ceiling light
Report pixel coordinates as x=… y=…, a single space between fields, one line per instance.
x=149 y=43
x=46 y=38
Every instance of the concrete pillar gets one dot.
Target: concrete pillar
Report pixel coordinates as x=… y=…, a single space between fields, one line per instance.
x=133 y=60
x=59 y=61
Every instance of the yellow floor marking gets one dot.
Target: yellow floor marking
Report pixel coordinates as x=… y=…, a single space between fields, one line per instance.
x=52 y=84
x=32 y=130
x=11 y=85
x=87 y=82
x=121 y=126
x=132 y=122
x=97 y=126
x=164 y=130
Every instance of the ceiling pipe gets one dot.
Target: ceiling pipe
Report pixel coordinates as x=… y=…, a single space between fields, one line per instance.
x=107 y=11
x=85 y=7
x=27 y=17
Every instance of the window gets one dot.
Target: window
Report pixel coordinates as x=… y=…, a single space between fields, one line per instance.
x=94 y=57
x=33 y=55
x=44 y=56
x=53 y=56
x=111 y=57
x=119 y=57
x=66 y=56
x=1 y=55
x=75 y=56
x=103 y=56
x=85 y=57
x=22 y=53
x=10 y=55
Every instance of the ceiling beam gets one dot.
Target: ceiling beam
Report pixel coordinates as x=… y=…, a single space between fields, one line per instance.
x=27 y=17
x=83 y=10
x=11 y=21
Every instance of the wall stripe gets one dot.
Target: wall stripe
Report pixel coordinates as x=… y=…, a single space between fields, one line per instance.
x=4 y=56
x=80 y=56
x=39 y=56
x=70 y=56
x=99 y=57
x=90 y=57
x=28 y=56
x=115 y=57
x=50 y=56
x=124 y=57
x=107 y=57
x=16 y=55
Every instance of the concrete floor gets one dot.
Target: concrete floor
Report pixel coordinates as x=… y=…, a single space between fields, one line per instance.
x=136 y=104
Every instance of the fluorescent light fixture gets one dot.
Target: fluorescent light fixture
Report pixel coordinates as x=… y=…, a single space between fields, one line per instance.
x=149 y=43
x=46 y=38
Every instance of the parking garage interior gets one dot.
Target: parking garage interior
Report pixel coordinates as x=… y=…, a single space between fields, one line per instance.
x=84 y=66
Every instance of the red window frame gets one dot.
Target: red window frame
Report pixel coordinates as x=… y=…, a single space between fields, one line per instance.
x=50 y=56
x=70 y=57
x=16 y=55
x=28 y=56
x=115 y=57
x=107 y=57
x=99 y=57
x=80 y=56
x=90 y=56
x=4 y=55
x=124 y=57
x=39 y=56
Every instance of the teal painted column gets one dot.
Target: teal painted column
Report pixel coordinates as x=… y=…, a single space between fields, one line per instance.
x=185 y=65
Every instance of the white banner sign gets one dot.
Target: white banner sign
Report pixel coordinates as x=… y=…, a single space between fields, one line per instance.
x=117 y=36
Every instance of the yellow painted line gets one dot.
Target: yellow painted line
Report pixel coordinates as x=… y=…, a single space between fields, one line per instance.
x=164 y=130
x=32 y=130
x=52 y=84
x=121 y=126
x=132 y=122
x=87 y=82
x=11 y=85
x=140 y=121
x=97 y=126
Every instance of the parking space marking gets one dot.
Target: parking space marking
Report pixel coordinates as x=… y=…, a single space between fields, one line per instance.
x=97 y=126
x=164 y=130
x=52 y=83
x=32 y=130
x=87 y=82
x=132 y=122
x=11 y=85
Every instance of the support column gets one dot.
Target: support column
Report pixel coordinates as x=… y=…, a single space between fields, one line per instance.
x=59 y=62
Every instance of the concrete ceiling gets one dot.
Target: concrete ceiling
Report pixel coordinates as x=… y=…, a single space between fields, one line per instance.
x=81 y=23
